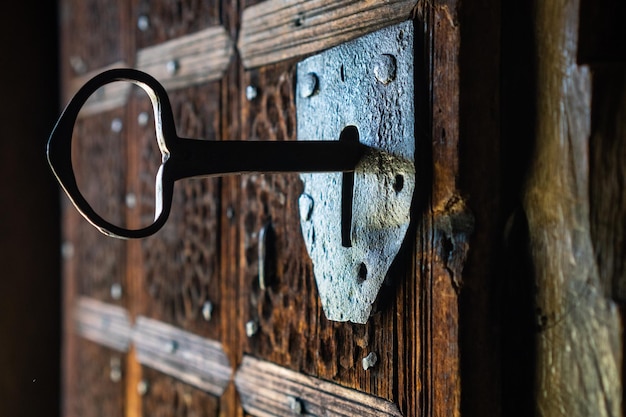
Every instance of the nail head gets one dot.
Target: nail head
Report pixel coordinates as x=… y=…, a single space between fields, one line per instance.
x=251 y=92
x=369 y=361
x=117 y=125
x=385 y=68
x=116 y=291
x=172 y=66
x=207 y=310
x=142 y=387
x=308 y=85
x=252 y=327
x=143 y=23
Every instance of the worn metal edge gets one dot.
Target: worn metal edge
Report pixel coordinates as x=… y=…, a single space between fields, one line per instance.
x=193 y=359
x=188 y=60
x=267 y=389
x=102 y=323
x=275 y=30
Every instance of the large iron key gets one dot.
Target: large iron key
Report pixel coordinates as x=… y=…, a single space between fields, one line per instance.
x=184 y=158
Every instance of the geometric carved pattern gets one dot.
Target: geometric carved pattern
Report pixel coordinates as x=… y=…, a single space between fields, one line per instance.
x=181 y=260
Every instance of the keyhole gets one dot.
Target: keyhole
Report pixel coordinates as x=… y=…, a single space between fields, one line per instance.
x=351 y=134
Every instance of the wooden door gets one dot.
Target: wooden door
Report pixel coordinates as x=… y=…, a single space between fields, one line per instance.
x=177 y=324
x=478 y=307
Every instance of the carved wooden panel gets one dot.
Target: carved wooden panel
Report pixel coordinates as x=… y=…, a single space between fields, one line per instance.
x=99 y=381
x=163 y=396
x=98 y=146
x=208 y=251
x=102 y=19
x=274 y=30
x=159 y=21
x=292 y=328
x=180 y=263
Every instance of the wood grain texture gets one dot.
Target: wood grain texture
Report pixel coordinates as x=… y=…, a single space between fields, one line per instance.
x=170 y=19
x=275 y=30
x=103 y=323
x=270 y=390
x=579 y=346
x=179 y=266
x=195 y=360
x=444 y=226
x=167 y=397
x=188 y=60
x=92 y=37
x=98 y=381
x=96 y=148
x=293 y=331
x=209 y=248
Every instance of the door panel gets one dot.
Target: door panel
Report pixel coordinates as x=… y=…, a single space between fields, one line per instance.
x=293 y=330
x=163 y=396
x=209 y=250
x=98 y=381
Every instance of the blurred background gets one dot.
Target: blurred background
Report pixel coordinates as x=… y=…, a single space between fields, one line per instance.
x=29 y=220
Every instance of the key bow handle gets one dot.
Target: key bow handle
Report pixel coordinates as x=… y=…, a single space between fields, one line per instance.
x=59 y=150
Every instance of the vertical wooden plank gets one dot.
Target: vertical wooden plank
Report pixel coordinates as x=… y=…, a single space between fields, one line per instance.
x=232 y=113
x=97 y=381
x=444 y=226
x=164 y=397
x=91 y=38
x=167 y=19
x=579 y=345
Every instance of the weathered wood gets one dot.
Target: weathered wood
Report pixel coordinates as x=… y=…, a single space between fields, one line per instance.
x=275 y=30
x=293 y=331
x=164 y=396
x=197 y=361
x=443 y=229
x=97 y=381
x=208 y=249
x=579 y=346
x=102 y=323
x=189 y=60
x=270 y=390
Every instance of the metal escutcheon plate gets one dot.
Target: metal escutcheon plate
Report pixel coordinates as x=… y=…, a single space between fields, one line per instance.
x=367 y=83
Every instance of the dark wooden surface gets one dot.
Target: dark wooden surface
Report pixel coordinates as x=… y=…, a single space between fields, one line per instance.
x=501 y=302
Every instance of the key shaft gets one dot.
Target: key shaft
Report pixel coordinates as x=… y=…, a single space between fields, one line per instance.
x=198 y=158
